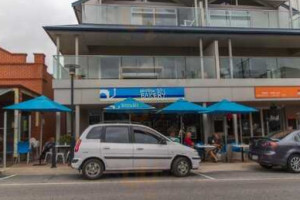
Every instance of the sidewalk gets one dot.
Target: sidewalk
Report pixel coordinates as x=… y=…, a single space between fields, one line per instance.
x=206 y=167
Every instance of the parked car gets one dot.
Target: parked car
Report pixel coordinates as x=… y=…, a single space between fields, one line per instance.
x=281 y=149
x=126 y=147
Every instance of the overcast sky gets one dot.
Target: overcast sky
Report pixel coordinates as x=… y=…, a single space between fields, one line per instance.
x=21 y=24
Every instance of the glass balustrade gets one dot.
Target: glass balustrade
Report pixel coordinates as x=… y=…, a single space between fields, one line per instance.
x=136 y=67
x=188 y=16
x=134 y=15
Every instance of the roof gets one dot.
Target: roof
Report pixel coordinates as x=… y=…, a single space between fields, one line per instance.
x=169 y=29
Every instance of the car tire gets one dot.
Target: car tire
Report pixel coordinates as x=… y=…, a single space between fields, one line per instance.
x=266 y=166
x=294 y=163
x=181 y=167
x=92 y=169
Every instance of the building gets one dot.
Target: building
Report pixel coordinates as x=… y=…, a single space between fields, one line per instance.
x=21 y=81
x=246 y=51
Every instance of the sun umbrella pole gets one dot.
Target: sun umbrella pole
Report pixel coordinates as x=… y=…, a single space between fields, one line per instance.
x=41 y=133
x=4 y=139
x=181 y=127
x=225 y=135
x=241 y=130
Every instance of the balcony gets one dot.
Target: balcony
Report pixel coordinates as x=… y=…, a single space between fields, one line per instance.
x=177 y=67
x=188 y=16
x=260 y=67
x=148 y=16
x=136 y=67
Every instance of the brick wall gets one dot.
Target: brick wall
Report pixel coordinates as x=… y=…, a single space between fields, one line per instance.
x=14 y=70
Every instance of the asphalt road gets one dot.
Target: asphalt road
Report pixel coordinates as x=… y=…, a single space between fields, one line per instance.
x=233 y=185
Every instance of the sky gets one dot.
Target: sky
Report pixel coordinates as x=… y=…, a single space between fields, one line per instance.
x=21 y=24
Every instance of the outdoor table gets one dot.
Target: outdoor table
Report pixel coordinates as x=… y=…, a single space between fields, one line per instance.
x=242 y=147
x=205 y=147
x=64 y=147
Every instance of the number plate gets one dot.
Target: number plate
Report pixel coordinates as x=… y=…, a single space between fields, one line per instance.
x=254 y=157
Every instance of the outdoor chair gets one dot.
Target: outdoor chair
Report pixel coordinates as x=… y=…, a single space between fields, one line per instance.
x=58 y=155
x=23 y=148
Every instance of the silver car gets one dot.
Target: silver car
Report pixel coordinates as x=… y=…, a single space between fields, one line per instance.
x=126 y=147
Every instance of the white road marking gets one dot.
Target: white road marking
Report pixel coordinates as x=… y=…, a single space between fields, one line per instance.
x=144 y=181
x=205 y=176
x=7 y=177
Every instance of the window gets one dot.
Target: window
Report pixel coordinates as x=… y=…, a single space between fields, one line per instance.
x=297 y=137
x=143 y=136
x=95 y=133
x=117 y=135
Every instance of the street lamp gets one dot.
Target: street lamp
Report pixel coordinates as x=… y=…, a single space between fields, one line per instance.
x=72 y=71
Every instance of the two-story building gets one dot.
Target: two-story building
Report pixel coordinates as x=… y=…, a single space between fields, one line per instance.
x=246 y=51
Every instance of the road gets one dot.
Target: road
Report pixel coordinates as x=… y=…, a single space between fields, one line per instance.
x=233 y=185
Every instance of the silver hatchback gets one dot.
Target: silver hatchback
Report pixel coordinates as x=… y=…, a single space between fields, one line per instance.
x=130 y=147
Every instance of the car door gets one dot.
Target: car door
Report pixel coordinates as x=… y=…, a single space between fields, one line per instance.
x=117 y=148
x=148 y=152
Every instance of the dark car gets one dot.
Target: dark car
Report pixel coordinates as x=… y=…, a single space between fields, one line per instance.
x=281 y=149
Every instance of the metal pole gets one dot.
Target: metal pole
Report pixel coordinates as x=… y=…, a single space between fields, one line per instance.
x=225 y=136
x=72 y=119
x=41 y=133
x=4 y=139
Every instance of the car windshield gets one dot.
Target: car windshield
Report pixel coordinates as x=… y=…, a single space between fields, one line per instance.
x=280 y=135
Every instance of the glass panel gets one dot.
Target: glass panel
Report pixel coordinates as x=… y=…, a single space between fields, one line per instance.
x=224 y=67
x=117 y=135
x=170 y=67
x=109 y=67
x=209 y=67
x=138 y=67
x=239 y=18
x=143 y=137
x=95 y=133
x=218 y=18
x=142 y=16
x=288 y=68
x=193 y=67
x=165 y=16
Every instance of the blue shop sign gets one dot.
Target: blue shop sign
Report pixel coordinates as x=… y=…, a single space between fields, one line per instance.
x=142 y=92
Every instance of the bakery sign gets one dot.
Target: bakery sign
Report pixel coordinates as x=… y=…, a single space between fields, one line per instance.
x=267 y=92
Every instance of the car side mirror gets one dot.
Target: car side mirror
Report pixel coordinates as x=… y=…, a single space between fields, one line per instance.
x=163 y=141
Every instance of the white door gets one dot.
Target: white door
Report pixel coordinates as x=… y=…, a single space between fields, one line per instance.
x=117 y=148
x=148 y=152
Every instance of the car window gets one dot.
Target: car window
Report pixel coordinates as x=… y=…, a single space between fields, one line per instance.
x=280 y=135
x=297 y=137
x=117 y=134
x=143 y=136
x=95 y=133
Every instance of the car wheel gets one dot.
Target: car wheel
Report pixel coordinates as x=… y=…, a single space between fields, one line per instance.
x=294 y=163
x=266 y=166
x=181 y=167
x=92 y=169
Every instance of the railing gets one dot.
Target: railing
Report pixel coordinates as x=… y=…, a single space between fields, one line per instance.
x=136 y=67
x=134 y=15
x=249 y=18
x=261 y=67
x=188 y=16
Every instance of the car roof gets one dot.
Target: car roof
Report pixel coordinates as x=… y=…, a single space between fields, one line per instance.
x=117 y=124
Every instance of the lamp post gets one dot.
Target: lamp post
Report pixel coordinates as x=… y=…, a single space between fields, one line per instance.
x=72 y=71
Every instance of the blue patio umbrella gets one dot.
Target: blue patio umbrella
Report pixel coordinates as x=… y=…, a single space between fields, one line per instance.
x=39 y=104
x=129 y=106
x=226 y=107
x=181 y=107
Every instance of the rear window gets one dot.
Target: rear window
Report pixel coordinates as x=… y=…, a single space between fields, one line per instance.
x=116 y=134
x=95 y=133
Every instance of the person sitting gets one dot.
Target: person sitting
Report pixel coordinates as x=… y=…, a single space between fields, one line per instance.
x=217 y=142
x=47 y=147
x=188 y=140
x=172 y=136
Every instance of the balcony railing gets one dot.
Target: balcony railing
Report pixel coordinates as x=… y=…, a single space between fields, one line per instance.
x=133 y=15
x=136 y=67
x=188 y=16
x=176 y=67
x=261 y=67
